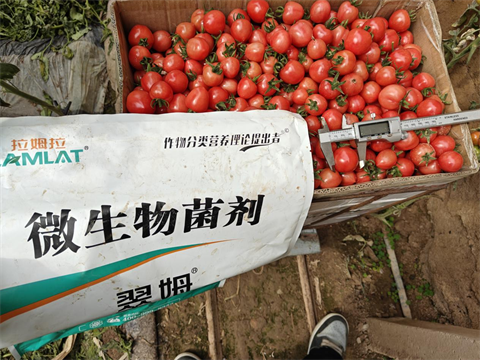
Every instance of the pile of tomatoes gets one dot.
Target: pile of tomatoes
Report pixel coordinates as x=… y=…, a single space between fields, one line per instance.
x=317 y=62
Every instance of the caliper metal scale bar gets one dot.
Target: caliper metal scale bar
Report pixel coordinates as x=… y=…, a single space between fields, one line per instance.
x=391 y=129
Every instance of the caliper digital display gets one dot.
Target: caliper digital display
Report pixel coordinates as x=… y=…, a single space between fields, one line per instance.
x=378 y=128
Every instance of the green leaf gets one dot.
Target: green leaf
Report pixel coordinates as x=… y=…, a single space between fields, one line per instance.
x=8 y=71
x=43 y=64
x=75 y=15
x=80 y=33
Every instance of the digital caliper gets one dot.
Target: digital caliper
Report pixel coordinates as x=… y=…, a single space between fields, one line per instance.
x=391 y=129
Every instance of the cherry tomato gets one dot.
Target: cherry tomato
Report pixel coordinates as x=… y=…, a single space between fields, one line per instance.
x=162 y=40
x=320 y=11
x=301 y=33
x=313 y=124
x=161 y=91
x=197 y=49
x=422 y=81
x=212 y=74
x=370 y=92
x=339 y=35
x=356 y=103
x=320 y=31
x=177 y=80
x=333 y=118
x=257 y=9
x=408 y=115
x=258 y=36
x=316 y=104
x=346 y=159
x=391 y=96
x=246 y=88
x=198 y=82
x=347 y=11
x=141 y=35
x=374 y=71
x=450 y=161
x=255 y=52
x=214 y=22
x=292 y=12
x=444 y=130
x=198 y=100
x=138 y=75
x=380 y=145
x=173 y=62
x=319 y=70
x=349 y=178
x=353 y=84
x=136 y=54
x=329 y=179
x=475 y=137
x=413 y=98
x=280 y=40
x=358 y=41
x=386 y=159
x=318 y=163
x=230 y=85
x=254 y=70
x=330 y=88
x=267 y=85
x=344 y=62
x=351 y=119
x=386 y=76
x=390 y=41
x=399 y=21
x=429 y=107
x=372 y=55
x=240 y=104
x=316 y=49
x=236 y=13
x=361 y=70
x=401 y=59
x=149 y=79
x=186 y=30
x=215 y=95
x=241 y=29
x=422 y=154
x=139 y=102
x=293 y=72
x=443 y=143
x=279 y=103
x=362 y=176
x=405 y=166
x=197 y=19
x=376 y=27
x=409 y=143
x=433 y=167
x=177 y=104
x=230 y=67
x=340 y=104
x=427 y=135
x=406 y=38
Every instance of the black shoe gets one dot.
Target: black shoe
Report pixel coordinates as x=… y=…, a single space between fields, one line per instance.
x=187 y=356
x=332 y=332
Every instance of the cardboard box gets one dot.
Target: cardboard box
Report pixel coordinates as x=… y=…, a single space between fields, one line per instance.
x=329 y=205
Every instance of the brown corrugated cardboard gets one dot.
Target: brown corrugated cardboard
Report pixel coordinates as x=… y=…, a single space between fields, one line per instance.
x=166 y=14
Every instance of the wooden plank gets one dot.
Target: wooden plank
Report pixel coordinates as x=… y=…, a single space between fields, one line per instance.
x=306 y=292
x=214 y=336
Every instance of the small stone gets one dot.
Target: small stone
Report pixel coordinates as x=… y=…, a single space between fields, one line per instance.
x=279 y=292
x=365 y=327
x=359 y=341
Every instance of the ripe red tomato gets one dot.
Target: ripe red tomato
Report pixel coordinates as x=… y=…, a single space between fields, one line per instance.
x=405 y=166
x=351 y=119
x=406 y=38
x=293 y=72
x=444 y=130
x=370 y=92
x=442 y=144
x=429 y=107
x=257 y=9
x=292 y=12
x=386 y=76
x=401 y=59
x=280 y=40
x=390 y=96
x=344 y=62
x=212 y=74
x=409 y=143
x=198 y=82
x=408 y=115
x=347 y=11
x=346 y=159
x=141 y=35
x=162 y=40
x=386 y=159
x=299 y=96
x=450 y=161
x=301 y=33
x=230 y=85
x=316 y=49
x=240 y=104
x=380 y=145
x=361 y=70
x=241 y=29
x=333 y=118
x=236 y=13
x=149 y=79
x=215 y=95
x=319 y=70
x=356 y=104
x=413 y=98
x=320 y=11
x=329 y=179
x=339 y=35
x=139 y=102
x=433 y=167
x=372 y=55
x=161 y=91
x=173 y=62
x=186 y=30
x=177 y=104
x=197 y=19
x=280 y=103
x=427 y=135
x=339 y=104
x=422 y=81
x=267 y=85
x=390 y=41
x=214 y=22
x=138 y=75
x=136 y=54
x=258 y=36
x=353 y=84
x=313 y=124
x=362 y=176
x=177 y=80
x=358 y=41
x=255 y=52
x=197 y=100
x=197 y=49
x=422 y=154
x=246 y=88
x=316 y=104
x=230 y=67
x=320 y=31
x=377 y=28
x=399 y=21
x=349 y=178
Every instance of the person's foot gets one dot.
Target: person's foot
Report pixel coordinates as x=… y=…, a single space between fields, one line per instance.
x=332 y=332
x=187 y=356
